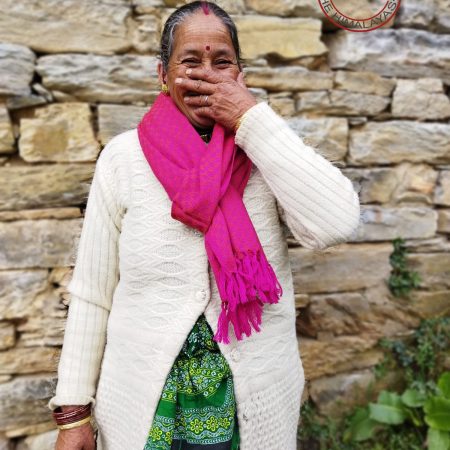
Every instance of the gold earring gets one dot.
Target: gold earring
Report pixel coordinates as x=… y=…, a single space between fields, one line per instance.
x=165 y=88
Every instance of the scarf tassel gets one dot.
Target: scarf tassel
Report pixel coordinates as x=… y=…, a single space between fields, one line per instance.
x=243 y=294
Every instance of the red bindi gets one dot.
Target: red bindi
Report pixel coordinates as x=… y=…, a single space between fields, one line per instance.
x=208 y=48
x=205 y=7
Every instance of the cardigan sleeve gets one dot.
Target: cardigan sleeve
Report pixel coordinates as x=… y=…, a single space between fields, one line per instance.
x=91 y=289
x=81 y=356
x=315 y=200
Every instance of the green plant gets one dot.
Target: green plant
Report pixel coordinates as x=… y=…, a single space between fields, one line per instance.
x=429 y=414
x=401 y=280
x=419 y=358
x=420 y=355
x=317 y=433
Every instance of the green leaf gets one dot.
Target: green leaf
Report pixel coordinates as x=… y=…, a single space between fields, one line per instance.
x=389 y=409
x=438 y=440
x=437 y=413
x=414 y=416
x=413 y=398
x=444 y=384
x=361 y=425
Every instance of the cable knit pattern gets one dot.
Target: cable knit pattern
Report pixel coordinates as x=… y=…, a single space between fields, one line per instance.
x=142 y=279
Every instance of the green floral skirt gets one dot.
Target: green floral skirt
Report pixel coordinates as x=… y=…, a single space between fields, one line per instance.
x=197 y=408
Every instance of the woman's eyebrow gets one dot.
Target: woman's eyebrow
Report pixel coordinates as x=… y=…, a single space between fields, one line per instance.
x=217 y=52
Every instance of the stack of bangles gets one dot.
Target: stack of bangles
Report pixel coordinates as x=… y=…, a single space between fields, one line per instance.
x=71 y=419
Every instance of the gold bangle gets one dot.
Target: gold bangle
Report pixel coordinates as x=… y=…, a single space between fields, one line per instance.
x=68 y=426
x=238 y=123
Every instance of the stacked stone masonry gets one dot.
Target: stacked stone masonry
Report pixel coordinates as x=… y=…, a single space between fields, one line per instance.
x=74 y=73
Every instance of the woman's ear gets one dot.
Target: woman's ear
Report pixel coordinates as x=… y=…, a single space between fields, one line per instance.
x=160 y=72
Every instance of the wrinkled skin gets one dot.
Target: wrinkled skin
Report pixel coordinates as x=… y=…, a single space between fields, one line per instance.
x=79 y=438
x=221 y=78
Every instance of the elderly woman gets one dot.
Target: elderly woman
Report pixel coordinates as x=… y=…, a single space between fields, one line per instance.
x=181 y=326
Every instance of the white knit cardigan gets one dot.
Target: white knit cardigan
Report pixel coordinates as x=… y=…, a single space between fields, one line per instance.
x=142 y=279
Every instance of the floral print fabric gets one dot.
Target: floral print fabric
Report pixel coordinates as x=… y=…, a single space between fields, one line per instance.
x=197 y=408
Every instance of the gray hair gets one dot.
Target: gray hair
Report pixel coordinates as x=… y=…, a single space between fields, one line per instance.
x=181 y=14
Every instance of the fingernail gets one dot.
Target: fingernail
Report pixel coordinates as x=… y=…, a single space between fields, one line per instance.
x=188 y=71
x=178 y=80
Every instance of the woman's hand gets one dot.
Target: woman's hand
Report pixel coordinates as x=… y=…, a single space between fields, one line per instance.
x=78 y=438
x=227 y=100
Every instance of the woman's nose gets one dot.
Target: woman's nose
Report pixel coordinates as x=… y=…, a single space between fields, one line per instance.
x=207 y=65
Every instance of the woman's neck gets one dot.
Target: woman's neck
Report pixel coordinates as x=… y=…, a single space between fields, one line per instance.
x=203 y=130
x=205 y=133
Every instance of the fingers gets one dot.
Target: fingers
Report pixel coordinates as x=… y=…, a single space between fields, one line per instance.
x=204 y=111
x=198 y=100
x=206 y=75
x=200 y=86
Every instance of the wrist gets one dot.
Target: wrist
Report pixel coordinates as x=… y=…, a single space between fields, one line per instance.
x=241 y=118
x=78 y=423
x=71 y=416
x=66 y=408
x=238 y=123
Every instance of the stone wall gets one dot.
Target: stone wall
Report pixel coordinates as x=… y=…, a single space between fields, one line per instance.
x=73 y=73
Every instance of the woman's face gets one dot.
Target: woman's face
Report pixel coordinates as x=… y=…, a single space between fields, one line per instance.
x=202 y=41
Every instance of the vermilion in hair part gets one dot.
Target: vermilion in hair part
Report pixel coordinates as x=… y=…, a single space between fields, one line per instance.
x=205 y=8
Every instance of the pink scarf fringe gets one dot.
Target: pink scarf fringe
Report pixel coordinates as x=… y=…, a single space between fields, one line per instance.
x=246 y=290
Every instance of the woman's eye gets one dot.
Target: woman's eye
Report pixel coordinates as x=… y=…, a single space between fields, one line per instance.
x=194 y=61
